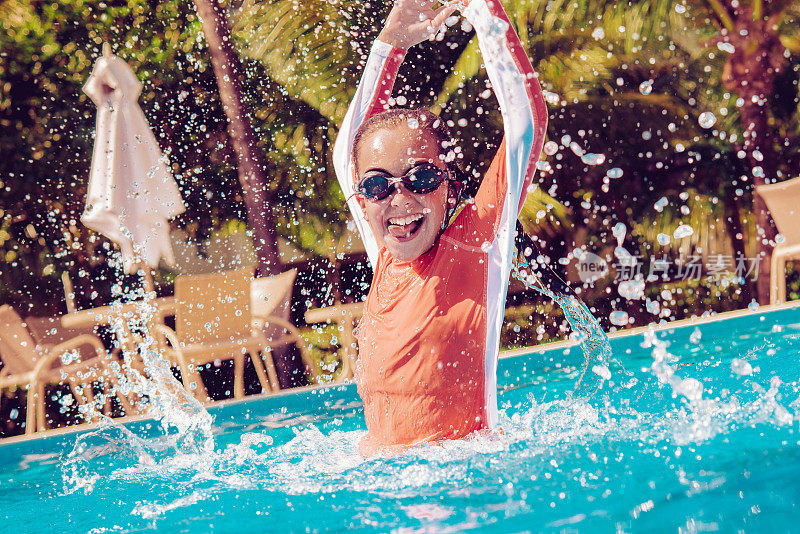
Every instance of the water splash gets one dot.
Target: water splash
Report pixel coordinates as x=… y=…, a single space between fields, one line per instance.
x=586 y=329
x=185 y=423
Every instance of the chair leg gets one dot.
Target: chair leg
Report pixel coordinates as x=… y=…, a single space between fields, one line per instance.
x=238 y=375
x=266 y=386
x=76 y=392
x=782 y=279
x=89 y=397
x=126 y=404
x=191 y=377
x=773 y=278
x=32 y=407
x=266 y=354
x=41 y=423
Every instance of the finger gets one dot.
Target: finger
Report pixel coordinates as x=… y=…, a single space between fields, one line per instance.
x=460 y=5
x=441 y=15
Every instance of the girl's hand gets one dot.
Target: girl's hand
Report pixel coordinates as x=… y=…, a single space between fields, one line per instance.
x=412 y=21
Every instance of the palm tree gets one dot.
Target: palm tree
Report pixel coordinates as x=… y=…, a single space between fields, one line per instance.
x=315 y=51
x=252 y=166
x=759 y=36
x=615 y=73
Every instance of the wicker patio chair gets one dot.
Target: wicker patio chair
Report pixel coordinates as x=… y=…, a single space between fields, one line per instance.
x=783 y=201
x=33 y=365
x=213 y=321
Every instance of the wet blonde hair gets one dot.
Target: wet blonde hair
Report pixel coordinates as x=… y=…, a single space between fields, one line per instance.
x=426 y=121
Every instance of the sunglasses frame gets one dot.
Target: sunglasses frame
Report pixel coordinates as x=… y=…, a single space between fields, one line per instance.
x=444 y=174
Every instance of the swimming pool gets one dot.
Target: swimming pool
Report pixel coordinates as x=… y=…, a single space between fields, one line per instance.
x=698 y=433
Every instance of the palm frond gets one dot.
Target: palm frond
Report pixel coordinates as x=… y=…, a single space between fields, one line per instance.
x=309 y=47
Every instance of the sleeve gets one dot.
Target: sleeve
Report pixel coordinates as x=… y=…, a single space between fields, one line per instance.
x=523 y=109
x=371 y=97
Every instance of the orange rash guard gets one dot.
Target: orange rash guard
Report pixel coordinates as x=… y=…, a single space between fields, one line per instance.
x=429 y=338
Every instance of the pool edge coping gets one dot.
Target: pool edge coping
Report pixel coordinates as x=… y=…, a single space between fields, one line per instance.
x=556 y=345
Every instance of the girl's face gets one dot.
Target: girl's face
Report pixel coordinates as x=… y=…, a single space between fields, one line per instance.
x=406 y=223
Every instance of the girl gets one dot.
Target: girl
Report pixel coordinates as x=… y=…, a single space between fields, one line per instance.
x=429 y=338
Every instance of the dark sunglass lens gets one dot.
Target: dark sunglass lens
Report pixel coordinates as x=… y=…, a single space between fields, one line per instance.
x=424 y=179
x=375 y=186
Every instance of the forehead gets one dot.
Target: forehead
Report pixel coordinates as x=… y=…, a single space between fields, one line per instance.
x=397 y=147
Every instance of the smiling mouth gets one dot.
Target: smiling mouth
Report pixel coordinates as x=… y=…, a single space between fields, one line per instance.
x=404 y=228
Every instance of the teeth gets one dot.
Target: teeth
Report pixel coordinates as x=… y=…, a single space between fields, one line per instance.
x=408 y=219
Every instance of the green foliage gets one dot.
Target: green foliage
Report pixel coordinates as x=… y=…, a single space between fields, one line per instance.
x=302 y=62
x=47 y=134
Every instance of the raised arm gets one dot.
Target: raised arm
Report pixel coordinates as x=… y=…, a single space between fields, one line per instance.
x=410 y=22
x=517 y=89
x=371 y=97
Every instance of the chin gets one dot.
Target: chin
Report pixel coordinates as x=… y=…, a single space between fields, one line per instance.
x=408 y=246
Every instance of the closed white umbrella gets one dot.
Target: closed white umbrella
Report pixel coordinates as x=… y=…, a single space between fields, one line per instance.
x=132 y=193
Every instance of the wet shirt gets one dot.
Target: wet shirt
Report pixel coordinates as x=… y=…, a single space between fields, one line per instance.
x=429 y=338
x=422 y=340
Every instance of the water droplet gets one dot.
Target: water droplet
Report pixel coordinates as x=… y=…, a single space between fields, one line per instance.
x=695 y=336
x=653 y=306
x=601 y=371
x=707 y=119
x=663 y=239
x=413 y=123
x=646 y=87
x=619 y=232
x=726 y=47
x=683 y=230
x=741 y=367
x=660 y=204
x=593 y=159
x=576 y=149
x=618 y=317
x=753 y=306
x=680 y=8
x=614 y=173
x=631 y=289
x=598 y=33
x=550 y=148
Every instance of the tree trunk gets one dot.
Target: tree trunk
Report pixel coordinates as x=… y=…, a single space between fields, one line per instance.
x=251 y=165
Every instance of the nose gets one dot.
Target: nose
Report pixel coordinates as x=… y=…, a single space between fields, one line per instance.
x=400 y=196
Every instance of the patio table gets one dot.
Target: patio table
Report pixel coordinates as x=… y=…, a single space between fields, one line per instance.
x=107 y=315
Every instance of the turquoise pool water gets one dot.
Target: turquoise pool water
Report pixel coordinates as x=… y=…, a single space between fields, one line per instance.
x=698 y=433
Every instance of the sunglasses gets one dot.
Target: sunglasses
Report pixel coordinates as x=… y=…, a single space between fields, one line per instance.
x=422 y=179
